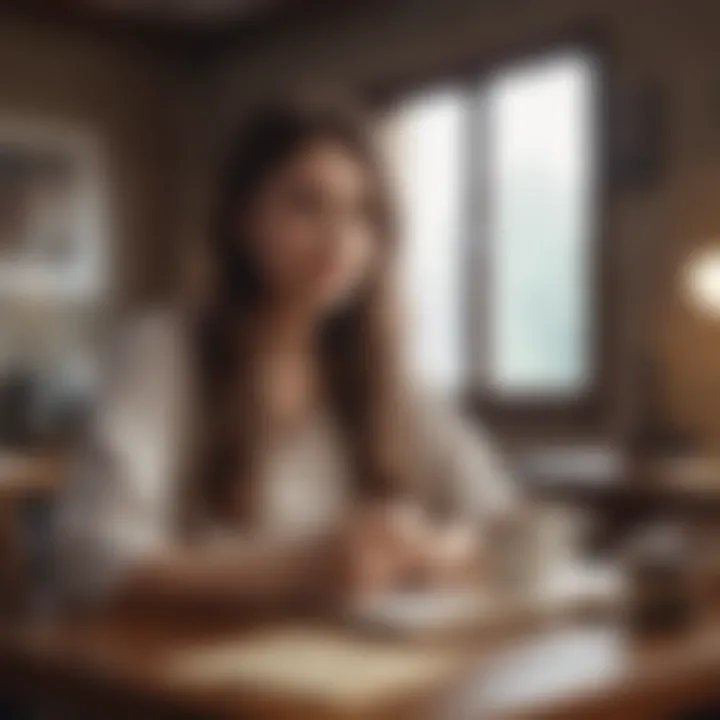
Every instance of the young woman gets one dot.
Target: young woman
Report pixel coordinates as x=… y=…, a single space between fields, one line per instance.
x=276 y=450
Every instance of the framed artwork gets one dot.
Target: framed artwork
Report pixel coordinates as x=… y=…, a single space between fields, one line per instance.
x=52 y=225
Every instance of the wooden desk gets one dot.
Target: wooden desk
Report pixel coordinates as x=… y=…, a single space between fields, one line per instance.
x=115 y=665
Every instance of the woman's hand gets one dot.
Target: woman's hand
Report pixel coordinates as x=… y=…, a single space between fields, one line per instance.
x=454 y=556
x=391 y=546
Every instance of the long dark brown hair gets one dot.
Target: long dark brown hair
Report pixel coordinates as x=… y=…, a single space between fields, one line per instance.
x=357 y=344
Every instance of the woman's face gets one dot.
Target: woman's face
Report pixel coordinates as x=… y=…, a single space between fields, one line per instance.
x=311 y=230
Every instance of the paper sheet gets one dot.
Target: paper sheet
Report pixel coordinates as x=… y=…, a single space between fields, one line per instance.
x=323 y=665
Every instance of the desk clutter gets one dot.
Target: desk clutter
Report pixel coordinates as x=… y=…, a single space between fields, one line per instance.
x=298 y=668
x=570 y=591
x=392 y=647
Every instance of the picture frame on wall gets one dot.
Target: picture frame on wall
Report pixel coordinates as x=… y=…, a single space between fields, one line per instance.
x=53 y=221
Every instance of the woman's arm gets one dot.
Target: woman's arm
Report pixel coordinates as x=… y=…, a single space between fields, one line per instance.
x=117 y=525
x=238 y=576
x=117 y=522
x=376 y=549
x=463 y=472
x=465 y=482
x=118 y=504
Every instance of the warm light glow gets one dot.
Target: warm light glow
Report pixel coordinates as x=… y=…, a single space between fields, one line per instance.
x=702 y=280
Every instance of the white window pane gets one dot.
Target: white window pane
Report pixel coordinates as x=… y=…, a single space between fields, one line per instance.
x=425 y=137
x=541 y=169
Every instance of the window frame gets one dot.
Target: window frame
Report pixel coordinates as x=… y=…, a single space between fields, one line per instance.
x=587 y=410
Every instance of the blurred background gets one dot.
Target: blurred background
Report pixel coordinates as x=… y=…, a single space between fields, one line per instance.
x=556 y=165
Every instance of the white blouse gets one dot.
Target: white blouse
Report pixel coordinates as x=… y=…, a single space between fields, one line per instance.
x=121 y=504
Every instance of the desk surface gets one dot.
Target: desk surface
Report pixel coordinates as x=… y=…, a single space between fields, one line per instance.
x=578 y=670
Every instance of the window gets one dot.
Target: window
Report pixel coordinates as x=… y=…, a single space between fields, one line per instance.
x=425 y=139
x=498 y=213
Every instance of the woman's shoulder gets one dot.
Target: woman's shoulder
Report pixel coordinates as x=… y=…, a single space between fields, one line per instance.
x=443 y=433
x=440 y=413
x=459 y=456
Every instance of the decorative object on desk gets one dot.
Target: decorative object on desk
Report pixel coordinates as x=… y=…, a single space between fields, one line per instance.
x=661 y=589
